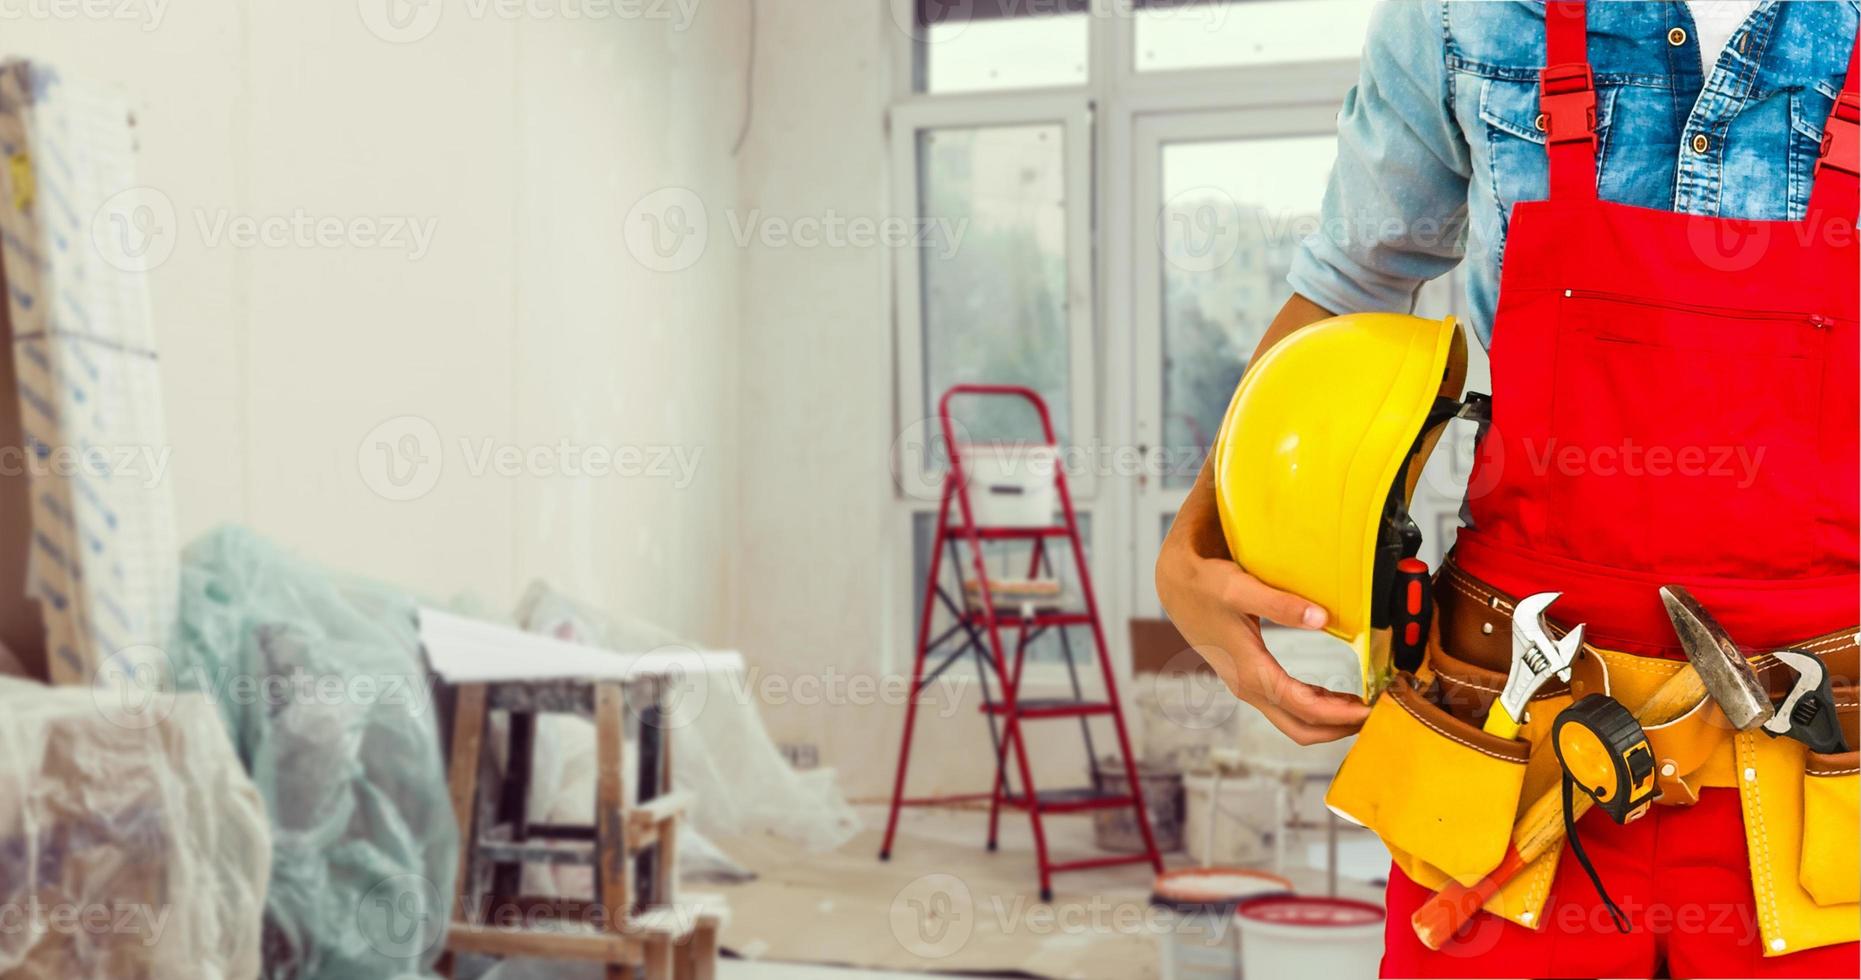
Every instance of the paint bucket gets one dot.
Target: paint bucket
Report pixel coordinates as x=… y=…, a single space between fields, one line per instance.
x=1235 y=828
x=1117 y=830
x=1290 y=936
x=1011 y=485
x=1199 y=938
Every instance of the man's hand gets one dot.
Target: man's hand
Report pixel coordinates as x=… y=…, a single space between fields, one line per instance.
x=1218 y=606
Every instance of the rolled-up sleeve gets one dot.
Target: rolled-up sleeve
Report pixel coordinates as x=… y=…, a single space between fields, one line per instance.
x=1395 y=210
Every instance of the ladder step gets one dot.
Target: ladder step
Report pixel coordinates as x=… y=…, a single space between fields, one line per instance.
x=1072 y=800
x=1009 y=533
x=1051 y=708
x=1036 y=621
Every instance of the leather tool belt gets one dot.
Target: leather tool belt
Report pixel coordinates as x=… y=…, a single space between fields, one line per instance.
x=1474 y=651
x=1443 y=795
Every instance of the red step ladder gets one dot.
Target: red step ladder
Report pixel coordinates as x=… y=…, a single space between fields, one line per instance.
x=977 y=627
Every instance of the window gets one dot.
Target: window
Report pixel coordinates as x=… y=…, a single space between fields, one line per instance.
x=995 y=289
x=1232 y=213
x=983 y=45
x=1185 y=34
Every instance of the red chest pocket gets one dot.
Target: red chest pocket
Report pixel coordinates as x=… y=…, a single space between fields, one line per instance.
x=1702 y=421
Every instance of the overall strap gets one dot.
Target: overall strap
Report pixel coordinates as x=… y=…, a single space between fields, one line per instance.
x=1838 y=169
x=1567 y=101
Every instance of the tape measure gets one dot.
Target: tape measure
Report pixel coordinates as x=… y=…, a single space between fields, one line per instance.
x=1606 y=754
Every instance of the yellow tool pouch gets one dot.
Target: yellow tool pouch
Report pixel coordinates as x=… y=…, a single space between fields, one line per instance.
x=1434 y=787
x=1831 y=784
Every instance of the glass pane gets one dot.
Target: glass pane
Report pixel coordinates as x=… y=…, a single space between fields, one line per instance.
x=995 y=274
x=1006 y=559
x=990 y=54
x=1249 y=32
x=1233 y=212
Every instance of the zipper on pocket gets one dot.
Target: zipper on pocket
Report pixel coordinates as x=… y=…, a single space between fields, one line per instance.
x=1818 y=321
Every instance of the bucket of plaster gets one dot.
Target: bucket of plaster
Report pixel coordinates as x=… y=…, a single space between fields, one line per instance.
x=1292 y=936
x=1199 y=939
x=1011 y=485
x=1233 y=824
x=1117 y=830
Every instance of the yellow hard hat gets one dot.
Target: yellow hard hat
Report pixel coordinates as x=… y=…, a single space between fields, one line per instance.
x=1319 y=454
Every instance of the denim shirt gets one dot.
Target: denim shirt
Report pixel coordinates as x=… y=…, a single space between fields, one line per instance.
x=1438 y=139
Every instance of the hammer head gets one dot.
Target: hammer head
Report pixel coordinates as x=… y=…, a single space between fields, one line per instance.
x=1726 y=674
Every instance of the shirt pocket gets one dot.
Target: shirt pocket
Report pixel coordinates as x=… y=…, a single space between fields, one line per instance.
x=1518 y=168
x=1809 y=112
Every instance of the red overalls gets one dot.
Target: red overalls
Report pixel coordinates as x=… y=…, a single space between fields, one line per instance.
x=1674 y=401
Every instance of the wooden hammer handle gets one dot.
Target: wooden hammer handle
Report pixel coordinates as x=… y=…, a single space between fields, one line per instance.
x=1542 y=826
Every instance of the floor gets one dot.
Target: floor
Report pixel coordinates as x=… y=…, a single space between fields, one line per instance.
x=751 y=970
x=848 y=908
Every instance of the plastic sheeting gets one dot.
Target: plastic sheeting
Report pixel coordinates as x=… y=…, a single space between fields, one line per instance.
x=740 y=781
x=132 y=844
x=321 y=684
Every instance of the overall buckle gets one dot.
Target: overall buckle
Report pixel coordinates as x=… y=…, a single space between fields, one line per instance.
x=1567 y=103
x=1841 y=136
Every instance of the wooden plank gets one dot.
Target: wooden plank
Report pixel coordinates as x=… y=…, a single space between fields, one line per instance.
x=611 y=883
x=598 y=947
x=534 y=851
x=667 y=865
x=659 y=958
x=468 y=730
x=549 y=697
x=701 y=951
x=642 y=817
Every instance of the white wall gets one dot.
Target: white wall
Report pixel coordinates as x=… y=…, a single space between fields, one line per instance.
x=522 y=142
x=816 y=385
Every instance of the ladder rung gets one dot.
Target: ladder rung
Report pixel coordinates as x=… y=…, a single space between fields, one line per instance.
x=1101 y=862
x=1051 y=708
x=1035 y=621
x=1009 y=533
x=1072 y=800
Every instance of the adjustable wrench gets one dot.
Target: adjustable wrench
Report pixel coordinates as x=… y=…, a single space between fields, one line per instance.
x=1535 y=657
x=1807 y=713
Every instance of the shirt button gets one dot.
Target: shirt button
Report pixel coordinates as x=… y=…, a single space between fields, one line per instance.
x=1701 y=144
x=1677 y=36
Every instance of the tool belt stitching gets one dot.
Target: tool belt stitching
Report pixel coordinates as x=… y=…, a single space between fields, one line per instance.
x=1460 y=680
x=1836 y=772
x=1832 y=641
x=1444 y=733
